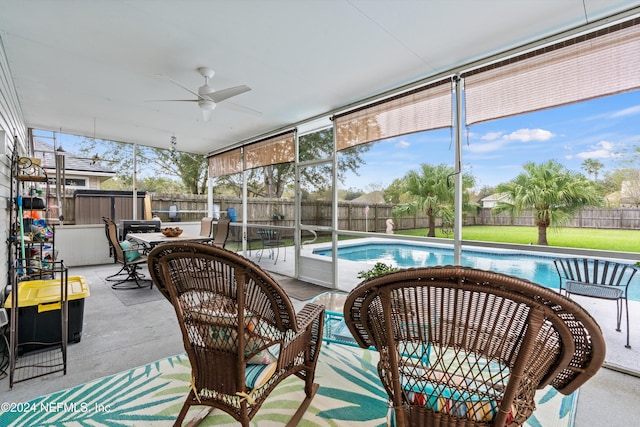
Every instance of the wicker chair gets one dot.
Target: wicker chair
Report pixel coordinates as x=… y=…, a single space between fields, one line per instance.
x=240 y=330
x=128 y=255
x=465 y=347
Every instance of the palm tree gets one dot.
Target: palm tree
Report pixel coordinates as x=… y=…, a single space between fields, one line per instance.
x=592 y=167
x=554 y=193
x=430 y=190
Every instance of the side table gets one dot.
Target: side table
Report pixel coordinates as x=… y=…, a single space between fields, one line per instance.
x=335 y=329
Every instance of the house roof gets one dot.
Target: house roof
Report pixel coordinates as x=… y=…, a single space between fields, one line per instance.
x=495 y=197
x=90 y=68
x=373 y=198
x=72 y=163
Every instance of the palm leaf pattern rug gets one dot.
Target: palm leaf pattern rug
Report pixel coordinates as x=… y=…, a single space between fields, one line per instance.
x=350 y=394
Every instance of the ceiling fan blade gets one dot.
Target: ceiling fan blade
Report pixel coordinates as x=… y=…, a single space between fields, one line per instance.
x=180 y=85
x=221 y=95
x=173 y=100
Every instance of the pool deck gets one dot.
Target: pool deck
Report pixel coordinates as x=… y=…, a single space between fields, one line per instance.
x=618 y=357
x=611 y=391
x=120 y=334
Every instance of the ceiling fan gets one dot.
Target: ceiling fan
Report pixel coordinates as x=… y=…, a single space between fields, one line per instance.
x=207 y=97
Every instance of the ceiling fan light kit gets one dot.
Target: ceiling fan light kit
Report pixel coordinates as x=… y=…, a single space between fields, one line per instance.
x=207 y=97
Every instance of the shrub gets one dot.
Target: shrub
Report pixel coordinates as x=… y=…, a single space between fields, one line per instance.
x=378 y=269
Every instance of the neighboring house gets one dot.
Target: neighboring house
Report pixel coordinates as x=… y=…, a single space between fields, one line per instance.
x=373 y=198
x=630 y=193
x=80 y=173
x=492 y=200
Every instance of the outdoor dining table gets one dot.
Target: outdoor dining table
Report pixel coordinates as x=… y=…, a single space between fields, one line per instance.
x=150 y=240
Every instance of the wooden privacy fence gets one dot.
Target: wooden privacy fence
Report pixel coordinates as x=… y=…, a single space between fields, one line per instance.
x=351 y=216
x=607 y=218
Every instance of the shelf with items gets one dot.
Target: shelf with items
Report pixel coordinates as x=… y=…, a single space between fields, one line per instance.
x=29 y=169
x=34 y=268
x=34 y=237
x=36 y=251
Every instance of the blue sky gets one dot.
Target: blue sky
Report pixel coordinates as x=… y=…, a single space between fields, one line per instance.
x=494 y=152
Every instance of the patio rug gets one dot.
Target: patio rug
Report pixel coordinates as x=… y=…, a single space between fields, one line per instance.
x=299 y=289
x=350 y=394
x=137 y=296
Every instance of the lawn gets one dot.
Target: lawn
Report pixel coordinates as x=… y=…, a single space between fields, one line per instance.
x=586 y=238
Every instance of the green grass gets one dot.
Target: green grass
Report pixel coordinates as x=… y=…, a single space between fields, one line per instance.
x=584 y=238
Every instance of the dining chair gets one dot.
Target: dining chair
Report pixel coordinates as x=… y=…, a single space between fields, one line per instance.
x=222 y=233
x=271 y=242
x=128 y=255
x=240 y=330
x=466 y=347
x=206 y=226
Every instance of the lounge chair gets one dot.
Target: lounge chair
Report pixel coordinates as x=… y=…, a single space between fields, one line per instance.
x=595 y=278
x=466 y=347
x=240 y=330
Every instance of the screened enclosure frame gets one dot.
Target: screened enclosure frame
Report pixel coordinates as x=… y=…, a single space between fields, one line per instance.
x=597 y=60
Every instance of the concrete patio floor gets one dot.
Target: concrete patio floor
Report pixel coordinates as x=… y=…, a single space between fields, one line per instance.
x=125 y=329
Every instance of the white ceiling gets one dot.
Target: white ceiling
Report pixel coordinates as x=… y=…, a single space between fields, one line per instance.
x=88 y=67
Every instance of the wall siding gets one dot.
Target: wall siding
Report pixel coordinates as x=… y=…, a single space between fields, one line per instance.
x=11 y=123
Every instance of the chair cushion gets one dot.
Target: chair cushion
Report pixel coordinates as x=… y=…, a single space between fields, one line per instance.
x=257 y=375
x=452 y=400
x=130 y=254
x=265 y=356
x=222 y=334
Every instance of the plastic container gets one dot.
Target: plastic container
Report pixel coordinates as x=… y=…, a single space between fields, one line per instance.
x=39 y=312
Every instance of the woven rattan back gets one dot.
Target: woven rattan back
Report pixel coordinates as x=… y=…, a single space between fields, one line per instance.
x=460 y=346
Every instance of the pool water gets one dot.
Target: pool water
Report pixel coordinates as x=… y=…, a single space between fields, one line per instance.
x=538 y=269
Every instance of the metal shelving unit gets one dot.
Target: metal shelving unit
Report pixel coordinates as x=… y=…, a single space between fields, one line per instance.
x=32 y=256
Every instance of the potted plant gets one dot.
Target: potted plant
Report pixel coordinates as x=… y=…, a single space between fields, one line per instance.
x=378 y=269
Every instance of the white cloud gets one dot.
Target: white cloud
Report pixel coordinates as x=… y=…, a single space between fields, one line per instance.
x=496 y=140
x=403 y=144
x=602 y=150
x=526 y=135
x=485 y=147
x=491 y=136
x=631 y=111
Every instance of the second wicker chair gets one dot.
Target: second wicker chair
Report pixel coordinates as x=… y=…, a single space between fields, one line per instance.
x=466 y=347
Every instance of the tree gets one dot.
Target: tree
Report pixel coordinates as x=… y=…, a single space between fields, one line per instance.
x=592 y=167
x=625 y=182
x=431 y=190
x=191 y=169
x=393 y=193
x=554 y=193
x=274 y=180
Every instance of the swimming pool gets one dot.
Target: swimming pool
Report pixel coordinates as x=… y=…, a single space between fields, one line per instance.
x=537 y=268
